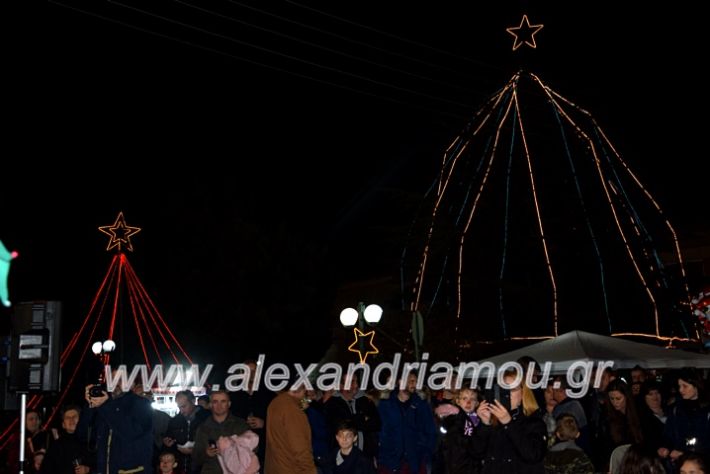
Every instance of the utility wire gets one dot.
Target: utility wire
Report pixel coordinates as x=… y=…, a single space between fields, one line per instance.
x=324 y=48
x=250 y=61
x=386 y=33
x=349 y=40
x=288 y=56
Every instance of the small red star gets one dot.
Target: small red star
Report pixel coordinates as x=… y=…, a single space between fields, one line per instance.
x=372 y=350
x=120 y=233
x=525 y=33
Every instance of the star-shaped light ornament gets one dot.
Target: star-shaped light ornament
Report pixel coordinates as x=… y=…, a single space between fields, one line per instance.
x=525 y=33
x=363 y=353
x=120 y=233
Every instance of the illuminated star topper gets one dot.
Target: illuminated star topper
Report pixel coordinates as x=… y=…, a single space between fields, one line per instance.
x=120 y=233
x=362 y=353
x=524 y=34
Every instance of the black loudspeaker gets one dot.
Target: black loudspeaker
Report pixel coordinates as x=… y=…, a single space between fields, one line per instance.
x=34 y=357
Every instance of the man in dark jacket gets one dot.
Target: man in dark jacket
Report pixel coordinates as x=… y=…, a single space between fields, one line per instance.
x=180 y=436
x=408 y=435
x=122 y=425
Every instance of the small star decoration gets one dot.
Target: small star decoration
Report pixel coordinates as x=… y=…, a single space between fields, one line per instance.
x=354 y=347
x=524 y=34
x=120 y=233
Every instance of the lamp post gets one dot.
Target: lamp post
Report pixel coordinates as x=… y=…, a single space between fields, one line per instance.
x=370 y=314
x=102 y=350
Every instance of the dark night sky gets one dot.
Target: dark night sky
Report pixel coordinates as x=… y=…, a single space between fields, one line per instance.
x=260 y=192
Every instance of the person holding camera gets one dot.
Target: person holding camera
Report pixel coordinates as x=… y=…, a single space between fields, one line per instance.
x=511 y=434
x=121 y=425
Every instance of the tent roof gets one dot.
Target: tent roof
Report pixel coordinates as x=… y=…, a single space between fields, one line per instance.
x=564 y=350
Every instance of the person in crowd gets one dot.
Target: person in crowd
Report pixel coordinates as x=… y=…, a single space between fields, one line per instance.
x=288 y=434
x=408 y=434
x=456 y=453
x=220 y=423
x=687 y=428
x=347 y=457
x=351 y=404
x=693 y=464
x=204 y=402
x=320 y=434
x=37 y=440
x=594 y=403
x=67 y=454
x=548 y=413
x=251 y=405
x=565 y=457
x=512 y=439
x=167 y=463
x=651 y=414
x=182 y=428
x=638 y=460
x=161 y=420
x=638 y=377
x=532 y=371
x=121 y=423
x=621 y=423
x=567 y=404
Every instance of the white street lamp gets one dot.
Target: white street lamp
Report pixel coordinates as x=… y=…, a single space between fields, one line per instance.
x=349 y=317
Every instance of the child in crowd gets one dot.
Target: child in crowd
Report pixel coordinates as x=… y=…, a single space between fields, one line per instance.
x=565 y=457
x=168 y=464
x=347 y=458
x=457 y=452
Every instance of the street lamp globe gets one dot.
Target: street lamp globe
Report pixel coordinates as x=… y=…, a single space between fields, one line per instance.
x=373 y=314
x=96 y=347
x=109 y=346
x=348 y=317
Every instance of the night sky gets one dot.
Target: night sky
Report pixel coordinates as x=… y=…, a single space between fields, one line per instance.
x=267 y=182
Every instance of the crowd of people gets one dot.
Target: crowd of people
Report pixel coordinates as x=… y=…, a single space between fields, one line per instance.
x=640 y=423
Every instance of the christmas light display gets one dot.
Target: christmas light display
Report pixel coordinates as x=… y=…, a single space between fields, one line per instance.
x=121 y=296
x=524 y=34
x=535 y=222
x=363 y=352
x=120 y=233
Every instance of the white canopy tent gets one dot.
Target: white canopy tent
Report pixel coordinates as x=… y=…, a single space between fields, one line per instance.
x=566 y=349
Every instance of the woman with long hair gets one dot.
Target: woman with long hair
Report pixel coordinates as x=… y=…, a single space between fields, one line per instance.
x=512 y=439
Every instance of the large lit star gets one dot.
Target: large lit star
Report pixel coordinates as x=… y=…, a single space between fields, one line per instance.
x=354 y=347
x=525 y=33
x=120 y=233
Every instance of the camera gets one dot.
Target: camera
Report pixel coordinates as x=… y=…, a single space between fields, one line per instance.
x=97 y=391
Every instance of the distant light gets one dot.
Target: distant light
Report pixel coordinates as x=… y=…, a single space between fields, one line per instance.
x=348 y=317
x=96 y=347
x=373 y=314
x=109 y=346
